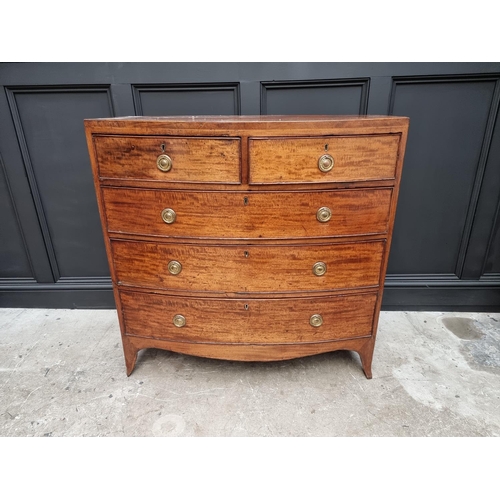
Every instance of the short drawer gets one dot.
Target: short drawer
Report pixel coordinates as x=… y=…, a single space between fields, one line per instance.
x=265 y=321
x=323 y=159
x=232 y=215
x=181 y=159
x=247 y=268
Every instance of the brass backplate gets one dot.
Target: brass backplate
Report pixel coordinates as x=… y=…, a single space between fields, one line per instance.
x=168 y=215
x=316 y=320
x=325 y=163
x=174 y=267
x=324 y=214
x=179 y=320
x=164 y=163
x=319 y=268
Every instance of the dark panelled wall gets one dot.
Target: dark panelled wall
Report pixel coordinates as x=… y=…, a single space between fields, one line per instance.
x=446 y=245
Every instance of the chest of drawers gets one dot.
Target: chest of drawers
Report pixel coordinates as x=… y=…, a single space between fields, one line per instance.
x=251 y=238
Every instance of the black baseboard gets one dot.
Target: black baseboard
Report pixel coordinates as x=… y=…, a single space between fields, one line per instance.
x=466 y=299
x=481 y=297
x=58 y=299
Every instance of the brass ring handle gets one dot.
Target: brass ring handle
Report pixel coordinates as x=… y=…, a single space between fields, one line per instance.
x=179 y=320
x=164 y=163
x=319 y=268
x=324 y=214
x=316 y=320
x=174 y=267
x=325 y=163
x=168 y=215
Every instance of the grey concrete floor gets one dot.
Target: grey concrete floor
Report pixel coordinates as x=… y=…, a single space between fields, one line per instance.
x=62 y=374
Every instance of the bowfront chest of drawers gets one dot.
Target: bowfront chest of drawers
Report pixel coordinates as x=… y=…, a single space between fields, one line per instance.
x=251 y=238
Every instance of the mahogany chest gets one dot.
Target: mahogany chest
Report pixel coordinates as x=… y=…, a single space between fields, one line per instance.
x=251 y=238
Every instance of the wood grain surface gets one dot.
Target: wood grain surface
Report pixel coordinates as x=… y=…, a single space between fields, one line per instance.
x=247 y=321
x=193 y=159
x=246 y=268
x=244 y=188
x=358 y=158
x=247 y=352
x=250 y=125
x=208 y=214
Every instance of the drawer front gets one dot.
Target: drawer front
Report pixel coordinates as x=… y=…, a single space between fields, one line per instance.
x=357 y=158
x=264 y=321
x=248 y=215
x=192 y=159
x=245 y=268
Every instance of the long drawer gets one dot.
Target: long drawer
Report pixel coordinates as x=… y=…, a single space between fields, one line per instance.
x=323 y=159
x=247 y=215
x=247 y=268
x=169 y=159
x=263 y=321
